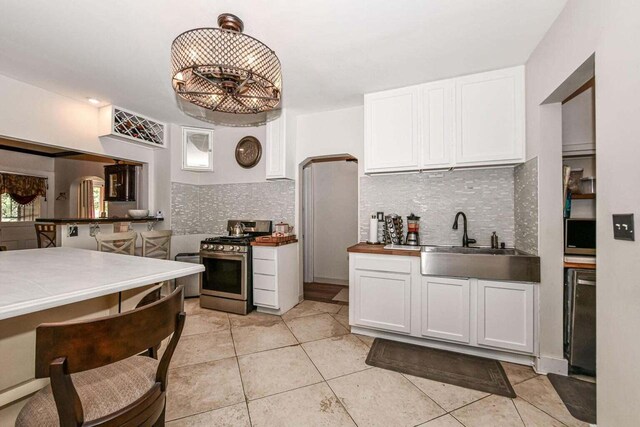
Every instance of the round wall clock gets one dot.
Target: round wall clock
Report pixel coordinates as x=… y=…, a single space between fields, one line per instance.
x=248 y=152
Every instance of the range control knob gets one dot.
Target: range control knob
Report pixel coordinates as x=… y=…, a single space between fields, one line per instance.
x=219 y=247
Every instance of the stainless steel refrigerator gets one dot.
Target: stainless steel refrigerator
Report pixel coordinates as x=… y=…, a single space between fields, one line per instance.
x=580 y=321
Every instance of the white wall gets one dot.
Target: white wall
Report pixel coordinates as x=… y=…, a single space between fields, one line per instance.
x=610 y=29
x=335 y=219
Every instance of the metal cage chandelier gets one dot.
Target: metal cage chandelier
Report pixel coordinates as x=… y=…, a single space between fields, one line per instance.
x=224 y=70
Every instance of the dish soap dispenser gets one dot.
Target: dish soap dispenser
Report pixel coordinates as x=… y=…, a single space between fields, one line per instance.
x=494 y=241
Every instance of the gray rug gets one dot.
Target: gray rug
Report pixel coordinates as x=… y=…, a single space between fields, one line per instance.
x=477 y=373
x=578 y=396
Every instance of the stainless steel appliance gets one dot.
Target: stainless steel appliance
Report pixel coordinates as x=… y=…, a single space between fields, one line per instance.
x=580 y=236
x=413 y=233
x=580 y=321
x=226 y=283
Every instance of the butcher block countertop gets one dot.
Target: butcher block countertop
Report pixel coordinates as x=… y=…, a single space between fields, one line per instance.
x=365 y=248
x=254 y=243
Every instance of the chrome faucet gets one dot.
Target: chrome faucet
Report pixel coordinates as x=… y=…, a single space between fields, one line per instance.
x=465 y=238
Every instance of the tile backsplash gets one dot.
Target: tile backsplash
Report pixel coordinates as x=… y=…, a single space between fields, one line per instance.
x=486 y=196
x=526 y=206
x=197 y=209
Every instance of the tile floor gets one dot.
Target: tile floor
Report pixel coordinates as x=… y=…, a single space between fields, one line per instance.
x=306 y=369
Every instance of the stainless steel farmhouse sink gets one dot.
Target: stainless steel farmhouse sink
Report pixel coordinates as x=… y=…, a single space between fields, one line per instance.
x=478 y=262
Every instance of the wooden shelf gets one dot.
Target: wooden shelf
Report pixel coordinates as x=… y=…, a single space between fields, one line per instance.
x=583 y=196
x=579 y=265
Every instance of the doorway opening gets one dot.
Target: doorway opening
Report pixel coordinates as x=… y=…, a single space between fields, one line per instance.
x=329 y=225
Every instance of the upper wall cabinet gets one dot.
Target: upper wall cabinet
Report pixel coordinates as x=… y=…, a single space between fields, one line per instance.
x=391 y=130
x=490 y=118
x=279 y=154
x=476 y=120
x=122 y=124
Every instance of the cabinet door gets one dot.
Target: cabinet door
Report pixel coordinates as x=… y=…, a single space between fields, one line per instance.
x=505 y=315
x=276 y=149
x=490 y=117
x=437 y=122
x=391 y=130
x=383 y=300
x=445 y=308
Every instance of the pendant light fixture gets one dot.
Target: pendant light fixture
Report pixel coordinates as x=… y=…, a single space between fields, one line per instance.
x=224 y=70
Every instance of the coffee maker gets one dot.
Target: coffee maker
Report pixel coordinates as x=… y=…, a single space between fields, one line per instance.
x=413 y=230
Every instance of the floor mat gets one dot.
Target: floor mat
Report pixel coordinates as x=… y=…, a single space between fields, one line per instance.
x=578 y=396
x=343 y=296
x=477 y=373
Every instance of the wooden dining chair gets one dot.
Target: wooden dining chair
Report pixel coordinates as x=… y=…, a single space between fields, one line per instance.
x=97 y=376
x=46 y=235
x=117 y=243
x=156 y=244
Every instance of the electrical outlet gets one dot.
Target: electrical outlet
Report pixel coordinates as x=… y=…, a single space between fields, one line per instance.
x=623 y=227
x=72 y=231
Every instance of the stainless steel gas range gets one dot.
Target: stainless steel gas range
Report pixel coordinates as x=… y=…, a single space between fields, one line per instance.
x=226 y=283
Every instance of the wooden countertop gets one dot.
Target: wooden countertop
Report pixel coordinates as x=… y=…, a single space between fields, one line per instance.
x=274 y=243
x=96 y=220
x=365 y=248
x=579 y=265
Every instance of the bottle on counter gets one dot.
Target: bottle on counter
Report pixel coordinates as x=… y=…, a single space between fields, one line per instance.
x=494 y=241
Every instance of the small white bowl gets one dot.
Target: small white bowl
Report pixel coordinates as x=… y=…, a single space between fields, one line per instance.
x=138 y=213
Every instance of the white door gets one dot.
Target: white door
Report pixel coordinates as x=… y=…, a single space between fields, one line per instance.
x=275 y=150
x=490 y=117
x=437 y=115
x=383 y=300
x=505 y=315
x=445 y=308
x=391 y=130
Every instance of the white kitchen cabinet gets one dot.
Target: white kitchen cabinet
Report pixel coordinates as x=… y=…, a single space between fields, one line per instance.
x=382 y=292
x=437 y=123
x=279 y=154
x=391 y=130
x=445 y=308
x=506 y=315
x=275 y=278
x=490 y=118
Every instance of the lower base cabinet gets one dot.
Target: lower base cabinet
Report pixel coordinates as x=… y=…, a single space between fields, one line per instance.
x=275 y=278
x=445 y=308
x=506 y=315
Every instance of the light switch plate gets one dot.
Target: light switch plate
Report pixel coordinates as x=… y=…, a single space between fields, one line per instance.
x=623 y=227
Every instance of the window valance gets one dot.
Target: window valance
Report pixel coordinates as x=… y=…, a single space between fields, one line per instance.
x=23 y=189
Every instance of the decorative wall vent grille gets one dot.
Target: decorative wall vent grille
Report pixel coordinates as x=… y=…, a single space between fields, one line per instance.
x=118 y=122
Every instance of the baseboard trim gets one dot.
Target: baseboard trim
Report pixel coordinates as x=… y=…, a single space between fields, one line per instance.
x=550 y=365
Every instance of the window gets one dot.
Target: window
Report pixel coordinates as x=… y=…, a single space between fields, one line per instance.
x=99 y=205
x=14 y=212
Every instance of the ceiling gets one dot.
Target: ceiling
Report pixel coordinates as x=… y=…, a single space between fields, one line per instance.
x=332 y=51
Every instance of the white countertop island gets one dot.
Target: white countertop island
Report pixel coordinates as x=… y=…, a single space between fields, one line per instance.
x=58 y=285
x=38 y=279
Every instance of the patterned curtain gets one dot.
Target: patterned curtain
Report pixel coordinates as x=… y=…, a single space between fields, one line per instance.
x=85 y=199
x=23 y=189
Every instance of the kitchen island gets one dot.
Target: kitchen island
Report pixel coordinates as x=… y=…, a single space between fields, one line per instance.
x=62 y=284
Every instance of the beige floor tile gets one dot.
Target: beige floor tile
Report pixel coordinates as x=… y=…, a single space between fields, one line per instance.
x=317 y=327
x=448 y=396
x=534 y=417
x=518 y=373
x=310 y=308
x=204 y=387
x=314 y=405
x=253 y=319
x=192 y=306
x=343 y=320
x=201 y=348
x=209 y=321
x=344 y=310
x=231 y=416
x=251 y=339
x=540 y=393
x=275 y=371
x=337 y=356
x=365 y=339
x=378 y=397
x=443 y=421
x=491 y=411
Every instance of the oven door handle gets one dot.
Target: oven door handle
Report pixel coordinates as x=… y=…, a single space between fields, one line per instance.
x=234 y=256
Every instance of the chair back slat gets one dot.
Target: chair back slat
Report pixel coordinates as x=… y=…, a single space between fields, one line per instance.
x=117 y=243
x=46 y=235
x=93 y=343
x=156 y=244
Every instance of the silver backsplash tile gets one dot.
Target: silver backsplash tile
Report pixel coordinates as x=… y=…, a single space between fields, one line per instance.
x=526 y=206
x=485 y=196
x=218 y=203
